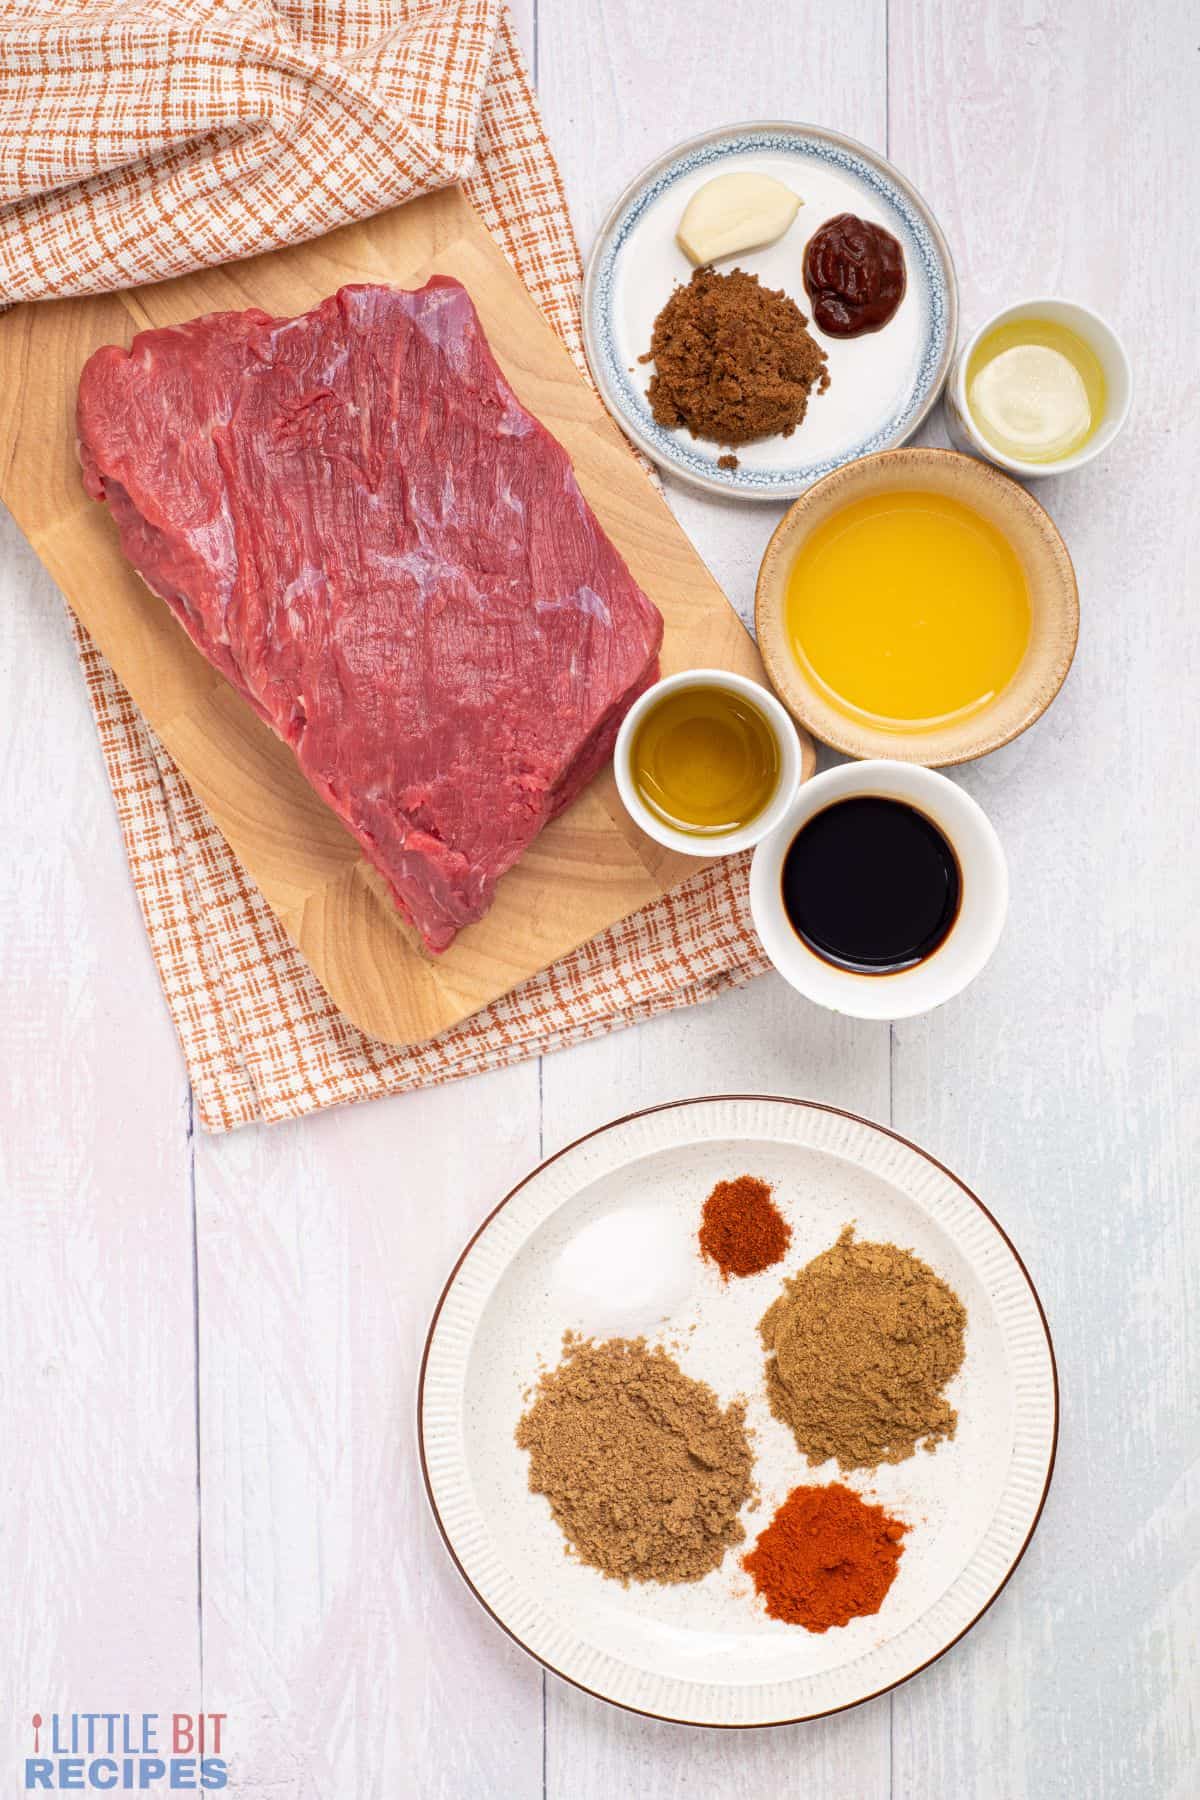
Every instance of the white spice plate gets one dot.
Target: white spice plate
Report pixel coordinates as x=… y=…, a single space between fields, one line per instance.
x=882 y=384
x=706 y=1653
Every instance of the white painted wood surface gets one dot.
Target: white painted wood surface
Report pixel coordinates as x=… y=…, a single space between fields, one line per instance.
x=208 y=1347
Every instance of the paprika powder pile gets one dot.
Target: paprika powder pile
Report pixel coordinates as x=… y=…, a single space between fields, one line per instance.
x=741 y=1228
x=827 y=1557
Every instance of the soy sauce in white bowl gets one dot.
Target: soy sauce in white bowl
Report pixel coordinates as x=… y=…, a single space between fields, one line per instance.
x=920 y=897
x=870 y=884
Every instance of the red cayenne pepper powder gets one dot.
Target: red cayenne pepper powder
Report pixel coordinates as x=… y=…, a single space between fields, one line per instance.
x=827 y=1557
x=741 y=1228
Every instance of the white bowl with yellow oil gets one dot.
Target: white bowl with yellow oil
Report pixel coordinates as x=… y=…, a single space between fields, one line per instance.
x=1040 y=388
x=917 y=606
x=707 y=762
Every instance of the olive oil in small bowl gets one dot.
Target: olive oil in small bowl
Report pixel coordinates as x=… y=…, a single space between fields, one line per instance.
x=707 y=762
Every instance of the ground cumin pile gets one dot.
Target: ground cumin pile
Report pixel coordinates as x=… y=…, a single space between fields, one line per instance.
x=732 y=360
x=860 y=1345
x=645 y=1474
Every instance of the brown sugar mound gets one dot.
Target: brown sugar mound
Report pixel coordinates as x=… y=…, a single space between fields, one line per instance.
x=860 y=1345
x=733 y=360
x=644 y=1472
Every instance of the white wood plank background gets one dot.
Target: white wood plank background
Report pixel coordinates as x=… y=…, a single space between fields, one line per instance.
x=208 y=1346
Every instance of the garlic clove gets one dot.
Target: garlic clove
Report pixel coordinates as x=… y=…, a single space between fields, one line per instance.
x=734 y=213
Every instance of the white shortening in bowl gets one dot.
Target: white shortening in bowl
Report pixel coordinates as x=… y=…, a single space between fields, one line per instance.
x=1100 y=338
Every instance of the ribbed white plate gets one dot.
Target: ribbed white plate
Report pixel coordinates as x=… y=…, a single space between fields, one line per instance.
x=706 y=1653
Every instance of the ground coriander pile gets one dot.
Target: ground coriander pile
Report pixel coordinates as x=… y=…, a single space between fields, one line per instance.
x=644 y=1471
x=860 y=1345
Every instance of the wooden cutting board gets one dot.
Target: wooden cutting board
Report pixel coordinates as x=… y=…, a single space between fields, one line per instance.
x=589 y=868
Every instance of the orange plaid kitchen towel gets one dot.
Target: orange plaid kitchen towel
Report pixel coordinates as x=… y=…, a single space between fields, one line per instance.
x=143 y=138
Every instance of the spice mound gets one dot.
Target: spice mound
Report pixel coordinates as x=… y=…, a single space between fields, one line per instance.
x=741 y=1228
x=733 y=361
x=860 y=1345
x=826 y=1557
x=644 y=1472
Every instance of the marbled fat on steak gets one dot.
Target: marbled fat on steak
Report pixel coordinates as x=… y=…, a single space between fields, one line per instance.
x=360 y=525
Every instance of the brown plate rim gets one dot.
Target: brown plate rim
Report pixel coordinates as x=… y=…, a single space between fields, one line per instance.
x=670 y=1106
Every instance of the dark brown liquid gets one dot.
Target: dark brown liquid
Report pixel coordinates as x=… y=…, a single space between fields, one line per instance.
x=871 y=885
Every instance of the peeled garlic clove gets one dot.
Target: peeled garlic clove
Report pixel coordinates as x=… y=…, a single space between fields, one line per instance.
x=733 y=213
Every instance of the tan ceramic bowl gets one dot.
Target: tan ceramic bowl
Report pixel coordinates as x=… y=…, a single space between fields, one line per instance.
x=1054 y=601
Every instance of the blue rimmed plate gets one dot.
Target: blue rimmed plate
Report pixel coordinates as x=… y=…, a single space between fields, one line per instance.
x=882 y=385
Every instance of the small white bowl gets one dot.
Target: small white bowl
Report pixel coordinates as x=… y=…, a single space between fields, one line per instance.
x=714 y=843
x=1099 y=337
x=971 y=938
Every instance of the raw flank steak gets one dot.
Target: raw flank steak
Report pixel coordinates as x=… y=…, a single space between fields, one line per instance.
x=359 y=524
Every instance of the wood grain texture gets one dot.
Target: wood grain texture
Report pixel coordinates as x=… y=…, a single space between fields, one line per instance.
x=335 y=1628
x=762 y=1039
x=98 y=1497
x=1056 y=145
x=1067 y=1081
x=588 y=868
x=619 y=83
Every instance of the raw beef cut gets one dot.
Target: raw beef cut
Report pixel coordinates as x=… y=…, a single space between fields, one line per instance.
x=360 y=525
